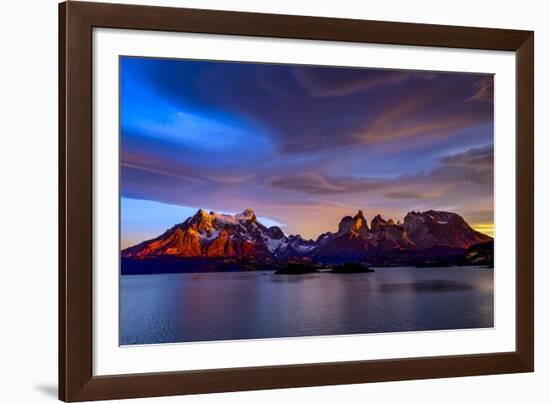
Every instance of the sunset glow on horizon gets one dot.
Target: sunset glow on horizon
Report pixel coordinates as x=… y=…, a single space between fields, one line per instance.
x=487 y=229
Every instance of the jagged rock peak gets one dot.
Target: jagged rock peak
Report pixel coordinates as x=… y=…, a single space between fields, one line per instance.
x=345 y=223
x=276 y=233
x=248 y=213
x=360 y=220
x=432 y=215
x=378 y=223
x=378 y=218
x=355 y=225
x=324 y=237
x=200 y=215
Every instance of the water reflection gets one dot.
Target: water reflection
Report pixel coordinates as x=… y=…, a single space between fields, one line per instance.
x=227 y=306
x=426 y=286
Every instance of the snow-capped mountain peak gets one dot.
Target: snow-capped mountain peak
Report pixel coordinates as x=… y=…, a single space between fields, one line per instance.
x=212 y=234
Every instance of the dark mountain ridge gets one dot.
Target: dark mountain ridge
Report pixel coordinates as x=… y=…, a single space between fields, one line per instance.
x=422 y=235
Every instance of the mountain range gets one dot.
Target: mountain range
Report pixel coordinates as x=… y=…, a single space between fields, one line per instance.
x=420 y=238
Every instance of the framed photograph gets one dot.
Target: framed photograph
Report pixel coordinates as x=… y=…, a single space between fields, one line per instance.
x=253 y=201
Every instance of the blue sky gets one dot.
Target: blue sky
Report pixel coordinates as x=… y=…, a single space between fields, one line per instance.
x=302 y=146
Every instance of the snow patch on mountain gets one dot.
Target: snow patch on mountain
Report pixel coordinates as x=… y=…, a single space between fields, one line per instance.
x=213 y=235
x=274 y=244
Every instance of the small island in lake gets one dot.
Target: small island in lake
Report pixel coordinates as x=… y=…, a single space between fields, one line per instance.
x=307 y=268
x=351 y=268
x=297 y=268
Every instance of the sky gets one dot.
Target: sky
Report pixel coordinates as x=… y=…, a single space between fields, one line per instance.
x=302 y=146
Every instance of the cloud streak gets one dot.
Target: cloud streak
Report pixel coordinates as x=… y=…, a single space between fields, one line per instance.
x=321 y=83
x=306 y=145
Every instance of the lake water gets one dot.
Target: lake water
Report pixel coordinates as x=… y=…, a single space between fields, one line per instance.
x=168 y=308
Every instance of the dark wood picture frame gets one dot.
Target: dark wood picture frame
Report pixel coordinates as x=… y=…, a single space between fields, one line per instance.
x=76 y=22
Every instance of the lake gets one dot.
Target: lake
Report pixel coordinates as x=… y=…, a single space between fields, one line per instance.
x=169 y=308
